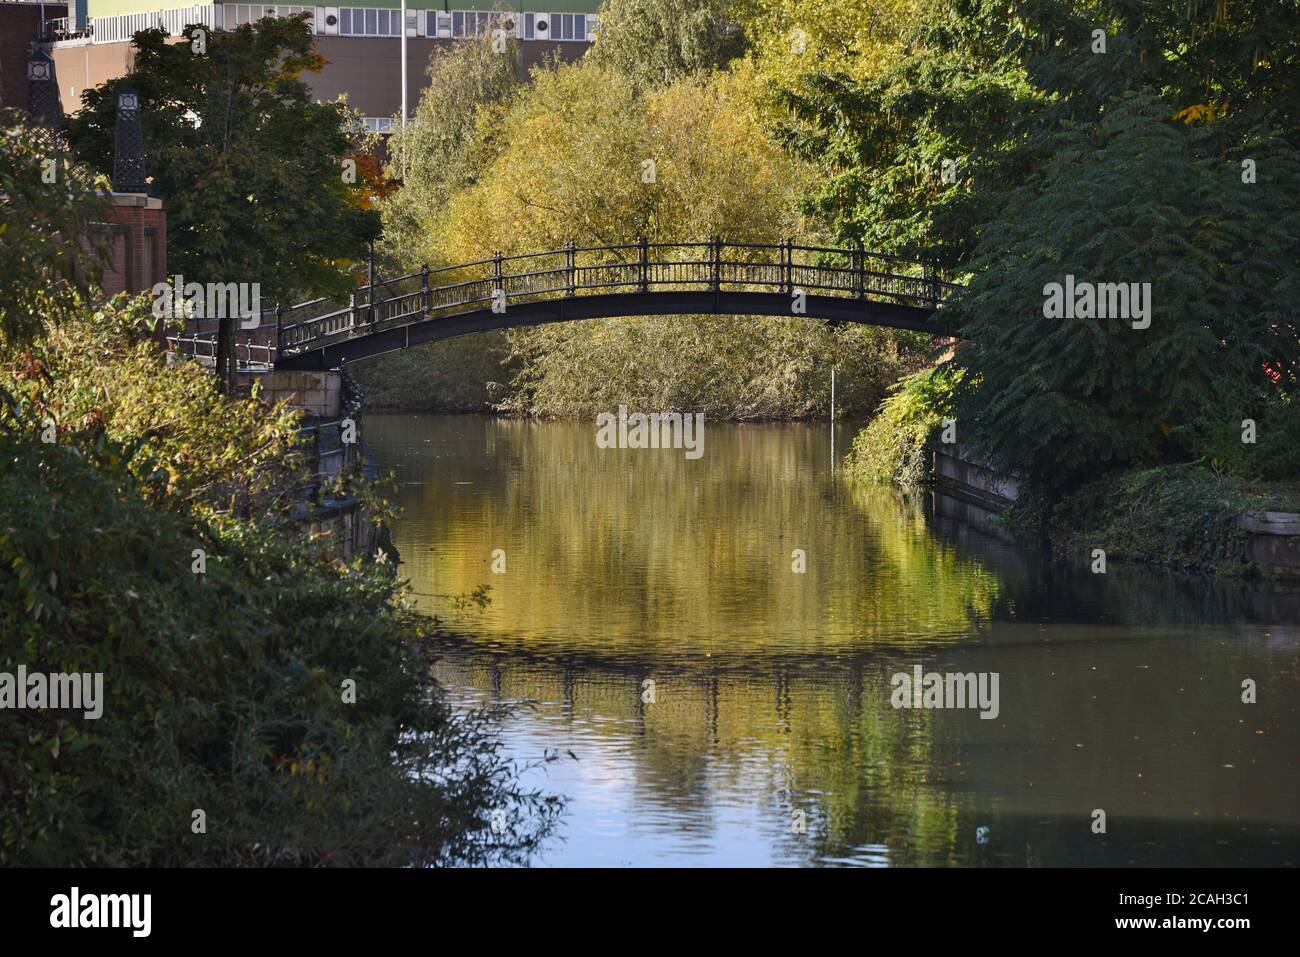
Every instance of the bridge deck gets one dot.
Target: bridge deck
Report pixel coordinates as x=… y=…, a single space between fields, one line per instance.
x=641 y=278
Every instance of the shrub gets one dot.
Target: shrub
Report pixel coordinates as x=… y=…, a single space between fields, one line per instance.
x=222 y=693
x=1186 y=517
x=892 y=447
x=459 y=375
x=224 y=689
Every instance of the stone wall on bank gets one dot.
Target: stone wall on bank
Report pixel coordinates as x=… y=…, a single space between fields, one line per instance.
x=1274 y=541
x=341 y=526
x=969 y=492
x=318 y=394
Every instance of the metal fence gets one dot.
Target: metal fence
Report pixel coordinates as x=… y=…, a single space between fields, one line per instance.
x=627 y=268
x=65 y=28
x=123 y=26
x=203 y=348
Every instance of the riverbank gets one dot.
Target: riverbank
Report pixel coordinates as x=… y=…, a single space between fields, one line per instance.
x=1183 y=517
x=1186 y=517
x=750 y=369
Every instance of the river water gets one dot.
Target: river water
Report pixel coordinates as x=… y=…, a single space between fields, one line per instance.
x=711 y=705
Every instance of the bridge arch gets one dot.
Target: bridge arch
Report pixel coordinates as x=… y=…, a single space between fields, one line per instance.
x=634 y=279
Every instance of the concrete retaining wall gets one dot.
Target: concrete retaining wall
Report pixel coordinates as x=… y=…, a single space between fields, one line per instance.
x=959 y=475
x=1274 y=541
x=315 y=393
x=973 y=493
x=343 y=529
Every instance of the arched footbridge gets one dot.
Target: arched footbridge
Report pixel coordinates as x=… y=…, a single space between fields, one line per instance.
x=634 y=279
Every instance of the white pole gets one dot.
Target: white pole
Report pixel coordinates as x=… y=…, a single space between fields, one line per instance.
x=832 y=418
x=403 y=64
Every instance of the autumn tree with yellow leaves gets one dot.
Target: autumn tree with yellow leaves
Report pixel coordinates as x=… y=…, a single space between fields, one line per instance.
x=597 y=155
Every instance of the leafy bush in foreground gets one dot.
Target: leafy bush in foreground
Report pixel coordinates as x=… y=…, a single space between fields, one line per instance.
x=224 y=691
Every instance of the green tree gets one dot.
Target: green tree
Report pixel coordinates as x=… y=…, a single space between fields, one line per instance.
x=793 y=40
x=221 y=682
x=986 y=89
x=1140 y=200
x=904 y=139
x=656 y=42
x=569 y=164
x=444 y=149
x=1115 y=166
x=250 y=166
x=47 y=196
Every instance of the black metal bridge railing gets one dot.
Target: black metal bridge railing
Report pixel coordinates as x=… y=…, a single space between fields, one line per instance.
x=639 y=267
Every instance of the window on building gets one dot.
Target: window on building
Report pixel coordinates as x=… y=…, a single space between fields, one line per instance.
x=236 y=14
x=369 y=22
x=439 y=24
x=375 y=22
x=470 y=23
x=568 y=26
x=542 y=26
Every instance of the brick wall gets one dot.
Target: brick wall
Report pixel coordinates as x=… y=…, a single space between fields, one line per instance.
x=137 y=233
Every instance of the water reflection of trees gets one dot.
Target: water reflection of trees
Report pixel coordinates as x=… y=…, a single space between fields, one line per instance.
x=775 y=687
x=647 y=550
x=1150 y=735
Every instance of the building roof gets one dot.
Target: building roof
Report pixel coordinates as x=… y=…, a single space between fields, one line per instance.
x=109 y=8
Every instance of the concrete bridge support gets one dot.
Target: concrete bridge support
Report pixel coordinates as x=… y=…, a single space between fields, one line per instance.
x=319 y=394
